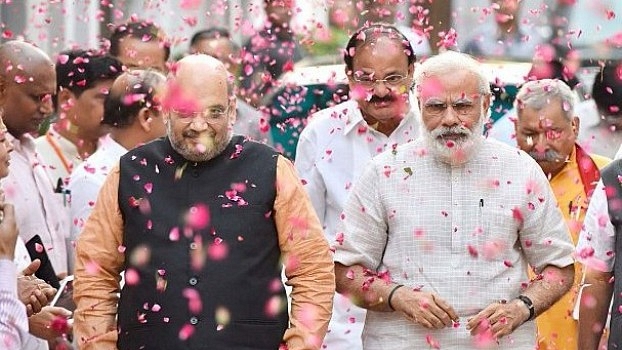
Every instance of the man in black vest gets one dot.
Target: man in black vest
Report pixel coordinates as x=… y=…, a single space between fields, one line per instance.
x=202 y=222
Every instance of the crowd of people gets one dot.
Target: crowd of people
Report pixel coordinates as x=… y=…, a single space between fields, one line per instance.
x=404 y=222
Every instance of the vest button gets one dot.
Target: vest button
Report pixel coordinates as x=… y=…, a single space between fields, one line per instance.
x=195 y=173
x=194 y=320
x=193 y=245
x=193 y=281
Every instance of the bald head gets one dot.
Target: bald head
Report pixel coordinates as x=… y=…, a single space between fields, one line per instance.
x=194 y=77
x=193 y=71
x=27 y=84
x=19 y=52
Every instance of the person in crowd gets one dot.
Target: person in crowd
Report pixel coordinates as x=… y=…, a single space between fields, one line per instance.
x=602 y=114
x=13 y=317
x=217 y=42
x=508 y=36
x=343 y=20
x=597 y=250
x=132 y=111
x=29 y=85
x=385 y=11
x=339 y=141
x=140 y=44
x=547 y=129
x=438 y=233
x=270 y=52
x=504 y=129
x=83 y=79
x=202 y=222
x=29 y=82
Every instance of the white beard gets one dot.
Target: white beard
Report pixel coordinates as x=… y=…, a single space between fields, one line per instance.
x=455 y=152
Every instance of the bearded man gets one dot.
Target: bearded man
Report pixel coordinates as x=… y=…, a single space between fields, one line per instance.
x=202 y=222
x=439 y=232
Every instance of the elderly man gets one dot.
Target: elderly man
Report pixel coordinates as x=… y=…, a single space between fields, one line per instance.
x=438 y=233
x=339 y=141
x=547 y=129
x=202 y=222
x=132 y=111
x=29 y=82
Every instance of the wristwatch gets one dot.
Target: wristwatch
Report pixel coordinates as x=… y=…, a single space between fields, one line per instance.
x=532 y=310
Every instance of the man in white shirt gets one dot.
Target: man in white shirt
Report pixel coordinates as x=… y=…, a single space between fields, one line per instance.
x=339 y=141
x=134 y=115
x=83 y=80
x=29 y=82
x=439 y=232
x=13 y=320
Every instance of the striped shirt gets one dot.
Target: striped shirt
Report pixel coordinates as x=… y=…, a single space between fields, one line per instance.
x=13 y=320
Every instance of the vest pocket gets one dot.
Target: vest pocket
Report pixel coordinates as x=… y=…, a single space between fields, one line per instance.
x=257 y=334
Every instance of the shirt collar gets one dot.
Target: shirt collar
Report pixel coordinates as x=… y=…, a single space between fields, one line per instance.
x=355 y=118
x=24 y=143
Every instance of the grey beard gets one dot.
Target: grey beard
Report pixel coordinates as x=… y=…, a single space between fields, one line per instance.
x=192 y=154
x=462 y=150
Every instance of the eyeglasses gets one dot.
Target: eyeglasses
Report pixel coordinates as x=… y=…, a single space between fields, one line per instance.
x=212 y=115
x=551 y=135
x=369 y=81
x=436 y=108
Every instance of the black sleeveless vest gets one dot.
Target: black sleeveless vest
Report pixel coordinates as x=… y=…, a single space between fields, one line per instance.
x=201 y=250
x=614 y=203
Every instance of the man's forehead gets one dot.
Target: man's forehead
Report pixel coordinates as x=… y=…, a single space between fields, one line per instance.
x=39 y=80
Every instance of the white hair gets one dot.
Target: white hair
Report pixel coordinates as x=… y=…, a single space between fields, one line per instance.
x=448 y=62
x=537 y=94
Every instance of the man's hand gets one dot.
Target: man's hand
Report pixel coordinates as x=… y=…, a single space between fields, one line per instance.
x=32 y=291
x=52 y=322
x=500 y=319
x=8 y=230
x=426 y=309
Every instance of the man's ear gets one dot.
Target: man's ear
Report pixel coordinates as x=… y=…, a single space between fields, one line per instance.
x=63 y=97
x=3 y=89
x=145 y=117
x=576 y=123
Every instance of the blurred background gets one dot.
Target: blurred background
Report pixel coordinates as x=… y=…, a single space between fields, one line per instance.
x=55 y=25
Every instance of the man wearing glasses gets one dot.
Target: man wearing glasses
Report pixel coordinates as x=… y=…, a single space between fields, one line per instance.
x=547 y=129
x=334 y=148
x=439 y=232
x=202 y=222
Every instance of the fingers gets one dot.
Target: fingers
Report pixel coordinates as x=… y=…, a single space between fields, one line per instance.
x=447 y=309
x=29 y=310
x=32 y=268
x=431 y=312
x=37 y=302
x=495 y=321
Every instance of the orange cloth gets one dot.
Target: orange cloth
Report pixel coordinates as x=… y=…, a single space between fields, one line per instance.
x=99 y=263
x=557 y=329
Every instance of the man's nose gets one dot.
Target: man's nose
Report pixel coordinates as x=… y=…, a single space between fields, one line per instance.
x=450 y=117
x=46 y=107
x=381 y=89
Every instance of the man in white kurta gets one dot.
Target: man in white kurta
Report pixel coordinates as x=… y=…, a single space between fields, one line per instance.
x=339 y=141
x=439 y=233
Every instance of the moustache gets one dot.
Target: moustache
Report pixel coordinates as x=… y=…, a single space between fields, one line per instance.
x=388 y=98
x=453 y=130
x=547 y=156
